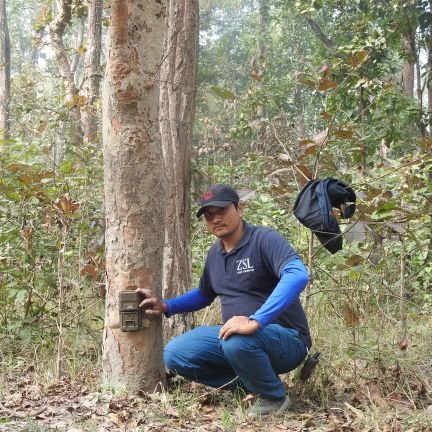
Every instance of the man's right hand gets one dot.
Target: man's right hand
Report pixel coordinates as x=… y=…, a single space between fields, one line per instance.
x=152 y=304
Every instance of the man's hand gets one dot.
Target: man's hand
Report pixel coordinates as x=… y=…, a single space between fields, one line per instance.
x=151 y=304
x=238 y=325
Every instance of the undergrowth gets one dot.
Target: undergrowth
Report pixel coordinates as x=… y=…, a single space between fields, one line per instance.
x=365 y=380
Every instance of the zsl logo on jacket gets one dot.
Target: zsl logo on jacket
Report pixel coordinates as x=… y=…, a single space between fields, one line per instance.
x=244 y=266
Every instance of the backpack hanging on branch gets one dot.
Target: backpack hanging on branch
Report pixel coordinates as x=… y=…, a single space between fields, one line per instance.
x=314 y=205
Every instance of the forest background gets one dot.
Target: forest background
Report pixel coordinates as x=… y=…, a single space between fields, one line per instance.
x=286 y=92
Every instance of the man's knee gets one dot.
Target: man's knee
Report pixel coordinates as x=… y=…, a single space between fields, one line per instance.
x=236 y=346
x=192 y=349
x=180 y=353
x=171 y=355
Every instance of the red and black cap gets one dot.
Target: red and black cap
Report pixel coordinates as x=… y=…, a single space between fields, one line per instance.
x=219 y=195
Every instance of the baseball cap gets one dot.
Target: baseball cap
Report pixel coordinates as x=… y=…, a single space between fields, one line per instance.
x=219 y=195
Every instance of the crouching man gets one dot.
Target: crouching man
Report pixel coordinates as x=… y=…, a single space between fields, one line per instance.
x=258 y=277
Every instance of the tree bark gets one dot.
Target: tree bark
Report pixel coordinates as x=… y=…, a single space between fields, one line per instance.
x=408 y=65
x=56 y=31
x=134 y=196
x=76 y=58
x=4 y=73
x=411 y=73
x=258 y=71
x=319 y=33
x=298 y=99
x=429 y=76
x=177 y=110
x=429 y=82
x=91 y=70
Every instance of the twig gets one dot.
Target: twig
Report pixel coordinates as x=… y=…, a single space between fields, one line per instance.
x=339 y=290
x=218 y=388
x=403 y=314
x=288 y=154
x=15 y=414
x=10 y=412
x=374 y=179
x=37 y=412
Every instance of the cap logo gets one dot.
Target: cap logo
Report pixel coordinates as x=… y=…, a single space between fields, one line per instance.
x=207 y=195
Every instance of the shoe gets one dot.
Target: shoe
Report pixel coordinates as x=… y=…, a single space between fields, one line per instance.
x=264 y=406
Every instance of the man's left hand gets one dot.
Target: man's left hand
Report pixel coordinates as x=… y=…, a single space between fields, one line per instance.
x=238 y=325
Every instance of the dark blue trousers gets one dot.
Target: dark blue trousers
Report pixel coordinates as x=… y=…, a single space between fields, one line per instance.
x=257 y=359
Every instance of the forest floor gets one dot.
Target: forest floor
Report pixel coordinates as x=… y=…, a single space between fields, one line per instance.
x=62 y=406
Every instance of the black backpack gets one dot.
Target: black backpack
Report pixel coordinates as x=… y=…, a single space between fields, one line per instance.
x=314 y=205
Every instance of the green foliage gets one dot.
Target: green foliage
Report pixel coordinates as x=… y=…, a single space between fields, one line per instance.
x=365 y=59
x=51 y=214
x=50 y=265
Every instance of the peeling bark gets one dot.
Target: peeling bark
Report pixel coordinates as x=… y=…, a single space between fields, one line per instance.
x=134 y=196
x=177 y=109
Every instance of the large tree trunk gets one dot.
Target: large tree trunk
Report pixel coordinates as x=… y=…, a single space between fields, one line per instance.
x=91 y=70
x=177 y=108
x=4 y=72
x=134 y=197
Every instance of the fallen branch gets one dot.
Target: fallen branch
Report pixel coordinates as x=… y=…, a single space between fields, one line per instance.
x=22 y=415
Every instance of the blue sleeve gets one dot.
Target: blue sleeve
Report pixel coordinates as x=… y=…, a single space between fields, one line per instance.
x=294 y=278
x=189 y=302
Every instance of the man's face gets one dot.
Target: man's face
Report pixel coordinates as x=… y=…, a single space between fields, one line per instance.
x=223 y=221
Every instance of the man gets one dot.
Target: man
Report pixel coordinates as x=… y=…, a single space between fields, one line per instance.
x=258 y=277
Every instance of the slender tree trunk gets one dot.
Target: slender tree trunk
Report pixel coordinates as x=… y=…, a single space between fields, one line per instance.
x=134 y=197
x=408 y=66
x=298 y=98
x=411 y=74
x=56 y=31
x=177 y=109
x=429 y=94
x=310 y=268
x=36 y=37
x=429 y=78
x=429 y=75
x=362 y=109
x=258 y=71
x=419 y=93
x=76 y=58
x=91 y=70
x=319 y=33
x=402 y=293
x=4 y=72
